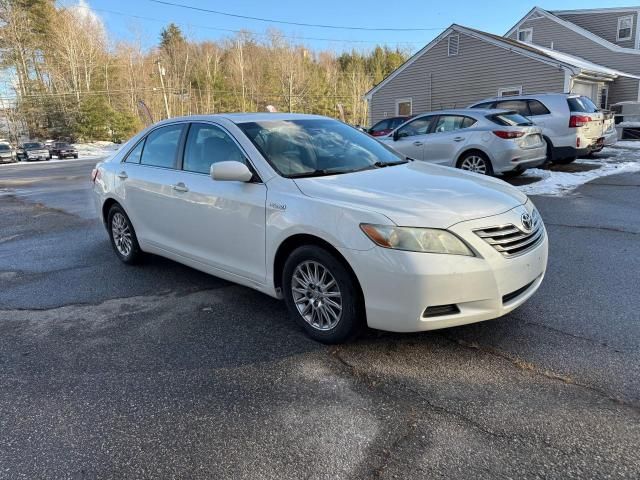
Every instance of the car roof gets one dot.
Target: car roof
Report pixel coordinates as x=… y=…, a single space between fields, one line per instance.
x=467 y=111
x=529 y=96
x=249 y=117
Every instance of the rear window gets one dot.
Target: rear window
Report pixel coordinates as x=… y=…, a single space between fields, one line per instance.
x=4 y=147
x=581 y=104
x=509 y=119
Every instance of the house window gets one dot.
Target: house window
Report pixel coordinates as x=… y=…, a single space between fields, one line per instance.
x=525 y=35
x=404 y=107
x=625 y=28
x=510 y=91
x=454 y=45
x=604 y=98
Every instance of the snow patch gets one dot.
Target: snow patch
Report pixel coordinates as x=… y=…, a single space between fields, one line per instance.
x=619 y=159
x=96 y=149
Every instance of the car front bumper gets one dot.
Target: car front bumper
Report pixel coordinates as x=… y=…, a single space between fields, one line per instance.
x=399 y=286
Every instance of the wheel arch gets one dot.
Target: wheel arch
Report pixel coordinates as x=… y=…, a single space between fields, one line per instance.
x=473 y=150
x=106 y=206
x=288 y=245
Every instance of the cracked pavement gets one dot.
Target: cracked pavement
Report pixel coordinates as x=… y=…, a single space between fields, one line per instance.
x=160 y=371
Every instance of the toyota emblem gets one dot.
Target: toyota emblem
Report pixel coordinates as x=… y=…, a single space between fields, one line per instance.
x=527 y=221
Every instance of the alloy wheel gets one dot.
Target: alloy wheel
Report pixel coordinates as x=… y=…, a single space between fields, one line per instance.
x=474 y=163
x=316 y=295
x=121 y=232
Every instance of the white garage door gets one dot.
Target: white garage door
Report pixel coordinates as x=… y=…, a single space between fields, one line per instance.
x=586 y=89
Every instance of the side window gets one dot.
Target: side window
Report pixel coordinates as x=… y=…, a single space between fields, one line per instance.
x=420 y=126
x=450 y=123
x=382 y=125
x=134 y=155
x=519 y=106
x=396 y=123
x=161 y=147
x=206 y=145
x=537 y=108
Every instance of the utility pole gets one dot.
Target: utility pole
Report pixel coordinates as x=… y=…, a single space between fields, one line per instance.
x=164 y=92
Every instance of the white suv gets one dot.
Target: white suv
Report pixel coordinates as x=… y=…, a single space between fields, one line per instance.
x=572 y=125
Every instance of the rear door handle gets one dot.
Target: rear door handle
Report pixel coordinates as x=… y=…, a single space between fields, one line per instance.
x=458 y=139
x=418 y=143
x=180 y=187
x=123 y=175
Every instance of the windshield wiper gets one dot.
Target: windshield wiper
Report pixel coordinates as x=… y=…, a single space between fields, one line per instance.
x=323 y=172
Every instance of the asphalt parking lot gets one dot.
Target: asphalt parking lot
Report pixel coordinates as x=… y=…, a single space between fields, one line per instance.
x=160 y=371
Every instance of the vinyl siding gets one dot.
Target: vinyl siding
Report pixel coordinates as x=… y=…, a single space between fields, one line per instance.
x=436 y=81
x=547 y=32
x=605 y=25
x=623 y=89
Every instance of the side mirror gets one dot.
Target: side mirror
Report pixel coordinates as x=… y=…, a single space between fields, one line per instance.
x=231 y=171
x=396 y=136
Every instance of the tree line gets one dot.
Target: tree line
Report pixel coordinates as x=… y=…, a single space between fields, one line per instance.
x=65 y=78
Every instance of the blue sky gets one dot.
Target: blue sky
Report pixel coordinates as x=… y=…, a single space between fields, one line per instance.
x=492 y=16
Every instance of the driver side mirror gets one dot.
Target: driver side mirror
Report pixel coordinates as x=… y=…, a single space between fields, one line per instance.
x=231 y=171
x=396 y=135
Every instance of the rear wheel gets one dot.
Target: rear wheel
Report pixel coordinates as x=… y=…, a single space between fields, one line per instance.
x=322 y=295
x=123 y=236
x=476 y=162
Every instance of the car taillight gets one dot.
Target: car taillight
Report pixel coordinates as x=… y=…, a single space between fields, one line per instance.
x=578 y=121
x=94 y=175
x=508 y=134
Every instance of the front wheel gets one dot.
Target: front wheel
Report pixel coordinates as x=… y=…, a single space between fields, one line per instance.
x=123 y=236
x=476 y=162
x=322 y=295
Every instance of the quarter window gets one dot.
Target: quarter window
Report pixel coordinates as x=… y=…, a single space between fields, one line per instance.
x=135 y=154
x=419 y=126
x=625 y=28
x=161 y=147
x=206 y=145
x=537 y=108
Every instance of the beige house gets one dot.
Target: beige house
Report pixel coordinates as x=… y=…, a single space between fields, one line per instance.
x=543 y=52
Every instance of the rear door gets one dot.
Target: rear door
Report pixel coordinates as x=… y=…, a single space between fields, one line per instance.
x=449 y=135
x=412 y=136
x=145 y=182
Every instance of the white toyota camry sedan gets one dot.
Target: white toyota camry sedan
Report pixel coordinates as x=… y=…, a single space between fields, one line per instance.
x=305 y=208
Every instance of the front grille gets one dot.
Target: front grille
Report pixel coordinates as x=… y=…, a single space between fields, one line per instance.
x=511 y=240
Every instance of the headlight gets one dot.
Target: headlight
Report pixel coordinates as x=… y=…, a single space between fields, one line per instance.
x=428 y=240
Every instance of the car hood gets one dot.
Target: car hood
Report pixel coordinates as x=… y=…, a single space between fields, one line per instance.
x=417 y=194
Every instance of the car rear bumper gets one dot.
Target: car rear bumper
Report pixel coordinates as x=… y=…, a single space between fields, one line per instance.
x=518 y=158
x=409 y=291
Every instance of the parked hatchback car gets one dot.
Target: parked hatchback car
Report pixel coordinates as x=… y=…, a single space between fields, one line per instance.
x=7 y=153
x=481 y=141
x=32 y=151
x=572 y=125
x=386 y=126
x=309 y=209
x=63 y=150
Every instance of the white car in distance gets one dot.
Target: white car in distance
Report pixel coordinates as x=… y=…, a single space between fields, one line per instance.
x=305 y=208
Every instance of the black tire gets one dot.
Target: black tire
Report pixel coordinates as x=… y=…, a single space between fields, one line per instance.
x=75 y=156
x=475 y=153
x=512 y=173
x=351 y=318
x=134 y=255
x=564 y=161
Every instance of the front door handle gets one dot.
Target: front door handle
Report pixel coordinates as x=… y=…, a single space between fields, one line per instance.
x=418 y=143
x=458 y=139
x=123 y=175
x=180 y=187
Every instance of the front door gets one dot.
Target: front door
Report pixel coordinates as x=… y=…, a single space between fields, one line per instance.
x=220 y=223
x=411 y=137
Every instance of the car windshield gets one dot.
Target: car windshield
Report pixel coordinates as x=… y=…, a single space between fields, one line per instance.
x=62 y=145
x=315 y=147
x=4 y=147
x=33 y=145
x=582 y=105
x=509 y=119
